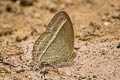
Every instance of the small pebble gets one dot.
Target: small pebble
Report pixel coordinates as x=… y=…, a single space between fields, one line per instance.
x=37 y=15
x=118 y=46
x=9 y=8
x=26 y=2
x=21 y=37
x=13 y=0
x=106 y=23
x=94 y=76
x=44 y=72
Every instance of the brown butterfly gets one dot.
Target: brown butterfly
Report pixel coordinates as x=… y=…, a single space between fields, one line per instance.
x=56 y=45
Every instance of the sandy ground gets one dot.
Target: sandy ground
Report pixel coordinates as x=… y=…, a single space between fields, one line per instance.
x=97 y=40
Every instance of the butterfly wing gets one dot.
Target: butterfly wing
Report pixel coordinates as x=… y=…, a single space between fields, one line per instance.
x=57 y=43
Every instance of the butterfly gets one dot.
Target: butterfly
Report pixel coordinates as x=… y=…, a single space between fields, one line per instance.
x=56 y=44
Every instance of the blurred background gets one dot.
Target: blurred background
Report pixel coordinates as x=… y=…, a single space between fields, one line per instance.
x=25 y=19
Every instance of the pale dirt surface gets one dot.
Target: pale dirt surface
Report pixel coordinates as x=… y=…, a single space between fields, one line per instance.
x=97 y=36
